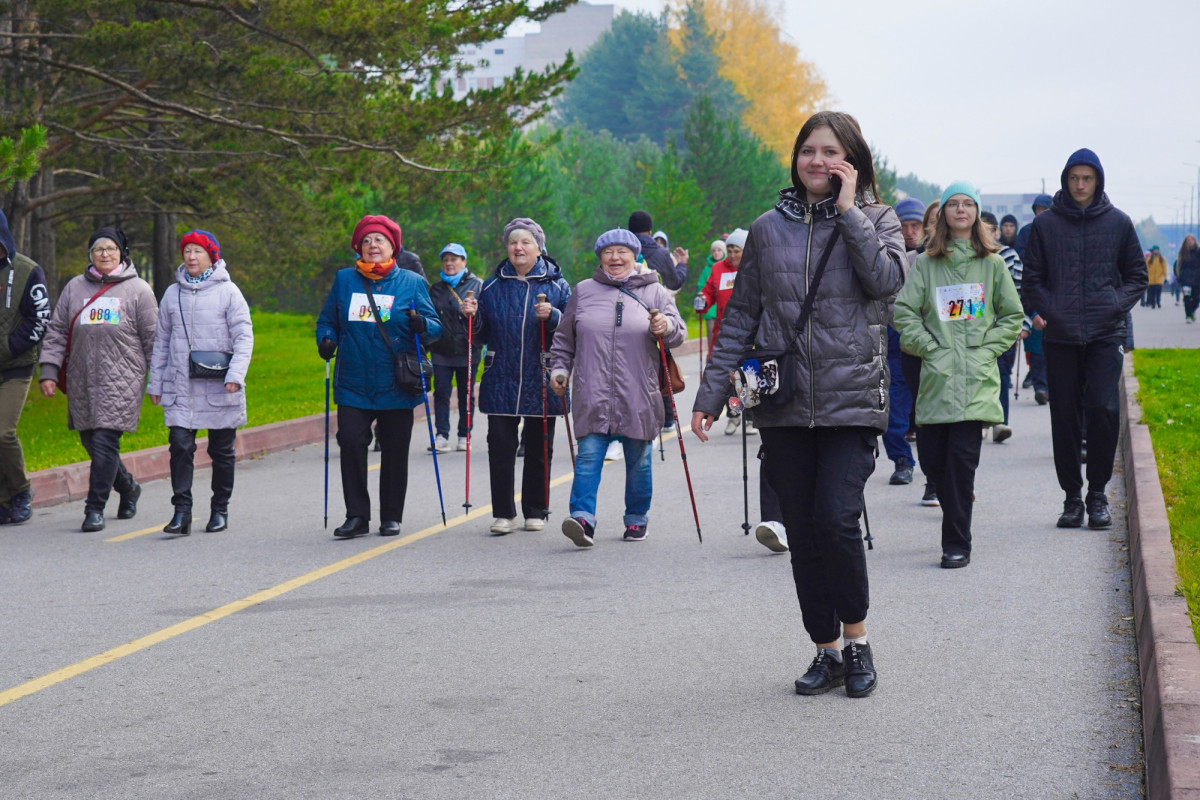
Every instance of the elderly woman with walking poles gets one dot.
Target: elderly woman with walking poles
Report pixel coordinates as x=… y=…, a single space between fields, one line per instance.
x=97 y=351
x=372 y=318
x=811 y=299
x=198 y=374
x=516 y=314
x=608 y=345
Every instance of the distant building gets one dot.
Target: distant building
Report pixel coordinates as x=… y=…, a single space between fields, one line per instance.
x=1019 y=205
x=574 y=30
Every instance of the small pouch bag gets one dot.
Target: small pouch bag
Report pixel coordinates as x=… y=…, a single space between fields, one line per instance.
x=203 y=364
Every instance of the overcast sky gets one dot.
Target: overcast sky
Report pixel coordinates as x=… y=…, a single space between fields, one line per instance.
x=1000 y=93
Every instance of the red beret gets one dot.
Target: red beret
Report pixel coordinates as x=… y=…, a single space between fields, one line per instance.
x=372 y=223
x=205 y=240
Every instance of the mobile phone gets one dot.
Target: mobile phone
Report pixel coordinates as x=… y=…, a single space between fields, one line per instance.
x=835 y=184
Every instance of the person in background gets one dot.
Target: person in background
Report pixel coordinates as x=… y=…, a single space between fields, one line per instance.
x=1008 y=230
x=1187 y=266
x=1084 y=271
x=1002 y=431
x=715 y=294
x=959 y=311
x=202 y=311
x=23 y=322
x=911 y=364
x=364 y=380
x=98 y=350
x=1035 y=359
x=1156 y=275
x=614 y=362
x=509 y=319
x=670 y=266
x=716 y=252
x=910 y=211
x=450 y=356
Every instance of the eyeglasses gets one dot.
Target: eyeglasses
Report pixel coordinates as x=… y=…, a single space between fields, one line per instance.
x=966 y=205
x=612 y=251
x=375 y=239
x=105 y=251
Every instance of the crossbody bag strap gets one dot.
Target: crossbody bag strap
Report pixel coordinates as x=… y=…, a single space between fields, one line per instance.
x=811 y=295
x=378 y=317
x=71 y=326
x=182 y=316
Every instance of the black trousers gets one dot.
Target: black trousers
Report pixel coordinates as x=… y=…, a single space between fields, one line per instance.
x=1154 y=295
x=103 y=446
x=354 y=437
x=952 y=452
x=443 y=379
x=818 y=474
x=768 y=501
x=502 y=462
x=1084 y=382
x=182 y=443
x=1191 y=301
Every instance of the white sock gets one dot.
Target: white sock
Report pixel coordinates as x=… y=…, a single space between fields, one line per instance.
x=846 y=640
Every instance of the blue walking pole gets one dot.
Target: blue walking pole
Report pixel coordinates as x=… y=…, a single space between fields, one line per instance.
x=326 y=444
x=429 y=421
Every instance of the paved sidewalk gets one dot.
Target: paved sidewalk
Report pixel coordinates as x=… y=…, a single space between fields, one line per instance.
x=278 y=662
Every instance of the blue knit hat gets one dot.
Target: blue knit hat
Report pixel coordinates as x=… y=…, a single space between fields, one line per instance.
x=1043 y=200
x=961 y=187
x=618 y=236
x=910 y=209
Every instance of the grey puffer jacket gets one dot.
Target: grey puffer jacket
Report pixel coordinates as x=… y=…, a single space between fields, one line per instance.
x=110 y=348
x=841 y=376
x=217 y=318
x=616 y=367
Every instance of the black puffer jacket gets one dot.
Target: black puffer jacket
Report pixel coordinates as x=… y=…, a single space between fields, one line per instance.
x=1187 y=267
x=1083 y=267
x=842 y=376
x=451 y=349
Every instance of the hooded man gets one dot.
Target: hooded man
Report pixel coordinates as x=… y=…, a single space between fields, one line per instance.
x=1083 y=273
x=911 y=212
x=656 y=256
x=24 y=316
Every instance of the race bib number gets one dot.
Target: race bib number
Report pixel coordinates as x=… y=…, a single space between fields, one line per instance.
x=102 y=311
x=959 y=302
x=727 y=281
x=360 y=307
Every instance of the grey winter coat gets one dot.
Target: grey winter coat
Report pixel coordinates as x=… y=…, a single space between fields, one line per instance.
x=217 y=318
x=616 y=367
x=110 y=348
x=841 y=376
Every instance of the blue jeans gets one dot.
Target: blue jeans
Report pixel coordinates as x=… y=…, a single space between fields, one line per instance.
x=639 y=484
x=899 y=407
x=1005 y=362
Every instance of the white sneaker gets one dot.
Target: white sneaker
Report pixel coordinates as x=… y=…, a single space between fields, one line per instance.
x=732 y=426
x=534 y=524
x=615 y=451
x=462 y=443
x=442 y=444
x=1000 y=433
x=501 y=526
x=750 y=429
x=772 y=535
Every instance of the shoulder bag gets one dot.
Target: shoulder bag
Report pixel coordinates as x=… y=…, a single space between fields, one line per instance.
x=408 y=369
x=202 y=364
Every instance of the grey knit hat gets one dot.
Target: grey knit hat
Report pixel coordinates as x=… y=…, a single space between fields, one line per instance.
x=618 y=236
x=526 y=224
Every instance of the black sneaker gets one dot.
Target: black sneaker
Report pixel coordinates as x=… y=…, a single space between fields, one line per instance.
x=902 y=476
x=930 y=497
x=1097 y=510
x=635 y=533
x=579 y=531
x=824 y=673
x=861 y=679
x=1041 y=396
x=1072 y=516
x=21 y=507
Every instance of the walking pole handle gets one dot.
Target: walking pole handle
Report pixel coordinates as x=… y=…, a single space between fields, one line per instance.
x=541 y=298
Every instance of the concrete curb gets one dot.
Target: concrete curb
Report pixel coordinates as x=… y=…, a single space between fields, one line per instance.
x=70 y=482
x=1168 y=657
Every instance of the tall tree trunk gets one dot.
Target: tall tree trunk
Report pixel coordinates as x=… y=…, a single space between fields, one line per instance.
x=41 y=231
x=164 y=258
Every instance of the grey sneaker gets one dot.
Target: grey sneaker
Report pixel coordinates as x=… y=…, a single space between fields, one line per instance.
x=635 y=533
x=579 y=531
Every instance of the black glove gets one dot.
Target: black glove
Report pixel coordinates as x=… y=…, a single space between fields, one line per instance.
x=416 y=323
x=326 y=348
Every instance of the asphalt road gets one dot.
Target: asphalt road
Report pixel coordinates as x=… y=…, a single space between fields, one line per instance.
x=274 y=661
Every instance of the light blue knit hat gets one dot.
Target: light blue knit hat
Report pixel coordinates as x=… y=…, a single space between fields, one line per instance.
x=619 y=236
x=961 y=187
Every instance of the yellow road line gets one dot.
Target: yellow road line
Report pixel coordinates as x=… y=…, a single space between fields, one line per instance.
x=127 y=536
x=179 y=628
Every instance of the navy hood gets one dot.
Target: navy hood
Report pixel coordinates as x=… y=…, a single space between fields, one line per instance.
x=6 y=241
x=1085 y=158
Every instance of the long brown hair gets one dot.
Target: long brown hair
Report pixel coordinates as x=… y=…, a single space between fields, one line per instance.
x=849 y=135
x=982 y=240
x=1189 y=244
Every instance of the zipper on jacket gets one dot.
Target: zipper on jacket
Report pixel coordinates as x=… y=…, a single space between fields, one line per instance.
x=191 y=397
x=812 y=381
x=521 y=370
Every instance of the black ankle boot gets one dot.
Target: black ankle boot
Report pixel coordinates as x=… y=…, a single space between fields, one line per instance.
x=181 y=523
x=127 y=508
x=353 y=526
x=92 y=521
x=218 y=521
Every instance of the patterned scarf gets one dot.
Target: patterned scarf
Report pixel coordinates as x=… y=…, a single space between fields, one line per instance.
x=374 y=272
x=201 y=278
x=797 y=209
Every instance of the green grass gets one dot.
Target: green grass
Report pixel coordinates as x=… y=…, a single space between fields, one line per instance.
x=286 y=380
x=1169 y=392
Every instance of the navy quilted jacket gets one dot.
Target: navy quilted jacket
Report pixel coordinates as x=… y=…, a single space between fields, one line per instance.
x=506 y=322
x=1083 y=266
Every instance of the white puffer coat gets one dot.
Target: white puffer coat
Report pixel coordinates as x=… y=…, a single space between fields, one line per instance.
x=217 y=318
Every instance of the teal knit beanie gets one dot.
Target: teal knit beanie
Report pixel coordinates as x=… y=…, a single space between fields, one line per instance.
x=961 y=187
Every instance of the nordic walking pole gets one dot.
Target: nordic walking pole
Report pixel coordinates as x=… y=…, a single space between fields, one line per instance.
x=412 y=310
x=745 y=476
x=700 y=316
x=869 y=539
x=326 y=444
x=541 y=298
x=567 y=419
x=662 y=351
x=470 y=400
x=1017 y=382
